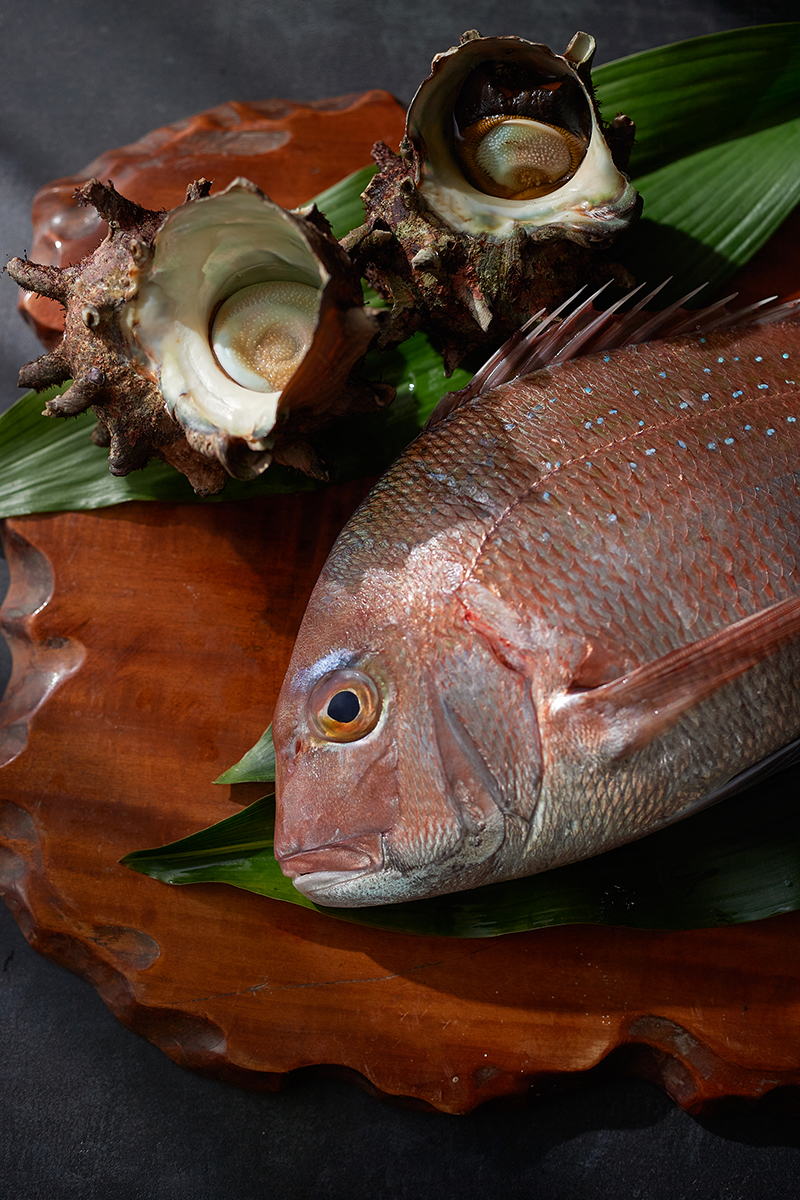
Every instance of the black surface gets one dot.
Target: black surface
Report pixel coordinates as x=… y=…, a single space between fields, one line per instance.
x=88 y=1109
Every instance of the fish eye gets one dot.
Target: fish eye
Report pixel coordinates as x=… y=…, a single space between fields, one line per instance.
x=344 y=706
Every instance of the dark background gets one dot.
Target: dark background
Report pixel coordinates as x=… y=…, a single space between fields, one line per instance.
x=88 y=1109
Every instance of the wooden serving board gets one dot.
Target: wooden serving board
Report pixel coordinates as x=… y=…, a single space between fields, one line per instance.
x=149 y=643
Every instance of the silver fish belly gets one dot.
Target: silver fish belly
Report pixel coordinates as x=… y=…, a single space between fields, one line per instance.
x=568 y=615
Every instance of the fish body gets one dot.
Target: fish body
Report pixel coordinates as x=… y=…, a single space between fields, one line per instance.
x=568 y=615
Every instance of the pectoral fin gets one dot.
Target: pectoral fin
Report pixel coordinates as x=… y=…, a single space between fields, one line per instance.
x=622 y=716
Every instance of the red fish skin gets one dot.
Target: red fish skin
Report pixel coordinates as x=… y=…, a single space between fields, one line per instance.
x=540 y=542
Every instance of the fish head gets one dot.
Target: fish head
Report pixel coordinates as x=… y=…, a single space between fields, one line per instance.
x=396 y=736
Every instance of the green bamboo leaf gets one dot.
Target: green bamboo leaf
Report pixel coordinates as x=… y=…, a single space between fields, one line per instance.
x=694 y=94
x=708 y=234
x=256 y=766
x=737 y=862
x=237 y=850
x=342 y=203
x=718 y=143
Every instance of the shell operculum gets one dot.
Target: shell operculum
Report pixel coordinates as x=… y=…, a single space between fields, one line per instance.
x=517 y=158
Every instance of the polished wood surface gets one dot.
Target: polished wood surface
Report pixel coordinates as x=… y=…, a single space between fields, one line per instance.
x=149 y=643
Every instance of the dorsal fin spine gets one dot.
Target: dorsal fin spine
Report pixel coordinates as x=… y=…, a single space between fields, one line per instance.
x=543 y=342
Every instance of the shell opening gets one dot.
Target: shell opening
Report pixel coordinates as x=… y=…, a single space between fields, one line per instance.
x=226 y=269
x=521 y=127
x=261 y=333
x=506 y=135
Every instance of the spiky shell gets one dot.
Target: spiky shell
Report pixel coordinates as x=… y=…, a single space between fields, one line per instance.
x=503 y=193
x=145 y=310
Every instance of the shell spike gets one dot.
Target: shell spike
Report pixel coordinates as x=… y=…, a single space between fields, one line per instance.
x=119 y=212
x=53 y=282
x=47 y=371
x=82 y=394
x=198 y=190
x=125 y=457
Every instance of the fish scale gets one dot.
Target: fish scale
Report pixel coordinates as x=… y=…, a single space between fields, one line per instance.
x=578 y=597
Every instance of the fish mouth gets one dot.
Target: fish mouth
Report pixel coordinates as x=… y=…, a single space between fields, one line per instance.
x=310 y=869
x=325 y=887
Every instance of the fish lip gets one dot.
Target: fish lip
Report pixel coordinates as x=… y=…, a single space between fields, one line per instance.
x=322 y=886
x=358 y=856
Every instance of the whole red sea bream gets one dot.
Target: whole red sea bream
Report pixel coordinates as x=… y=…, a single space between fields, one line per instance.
x=568 y=615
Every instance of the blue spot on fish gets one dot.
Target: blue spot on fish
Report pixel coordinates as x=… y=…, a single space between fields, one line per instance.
x=784 y=356
x=641 y=422
x=720 y=360
x=705 y=396
x=612 y=412
x=712 y=445
x=587 y=390
x=759 y=358
x=606 y=358
x=706 y=370
x=770 y=432
x=612 y=516
x=681 y=444
x=792 y=419
x=728 y=441
x=735 y=394
x=663 y=374
x=762 y=386
x=652 y=450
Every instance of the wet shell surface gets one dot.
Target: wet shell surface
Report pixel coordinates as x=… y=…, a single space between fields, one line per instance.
x=505 y=189
x=220 y=336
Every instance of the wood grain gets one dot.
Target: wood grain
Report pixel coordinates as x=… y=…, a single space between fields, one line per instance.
x=165 y=638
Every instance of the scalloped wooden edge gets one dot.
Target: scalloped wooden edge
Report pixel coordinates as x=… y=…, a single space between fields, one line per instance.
x=38 y=667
